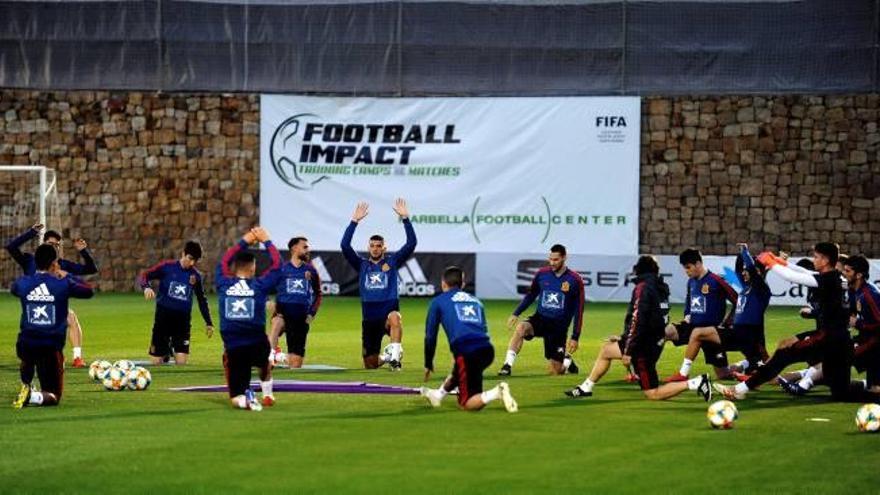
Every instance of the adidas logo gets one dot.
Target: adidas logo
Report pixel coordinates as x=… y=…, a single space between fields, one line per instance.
x=328 y=286
x=412 y=280
x=240 y=289
x=41 y=294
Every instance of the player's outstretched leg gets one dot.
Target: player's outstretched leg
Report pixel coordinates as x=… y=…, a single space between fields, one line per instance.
x=702 y=385
x=608 y=352
x=522 y=332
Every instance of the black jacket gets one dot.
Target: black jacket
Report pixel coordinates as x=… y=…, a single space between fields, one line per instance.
x=647 y=315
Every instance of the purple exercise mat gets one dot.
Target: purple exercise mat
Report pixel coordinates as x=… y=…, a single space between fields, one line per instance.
x=315 y=387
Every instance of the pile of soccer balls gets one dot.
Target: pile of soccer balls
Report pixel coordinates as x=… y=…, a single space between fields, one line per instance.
x=121 y=375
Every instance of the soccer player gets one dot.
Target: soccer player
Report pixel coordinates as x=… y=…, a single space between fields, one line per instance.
x=704 y=310
x=831 y=344
x=464 y=322
x=178 y=281
x=242 y=298
x=646 y=322
x=44 y=295
x=808 y=376
x=89 y=267
x=560 y=294
x=377 y=275
x=297 y=302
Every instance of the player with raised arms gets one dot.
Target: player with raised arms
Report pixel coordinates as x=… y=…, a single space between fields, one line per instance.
x=242 y=298
x=178 y=280
x=464 y=322
x=377 y=280
x=88 y=267
x=44 y=296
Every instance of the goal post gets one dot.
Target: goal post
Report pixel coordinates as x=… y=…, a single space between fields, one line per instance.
x=28 y=195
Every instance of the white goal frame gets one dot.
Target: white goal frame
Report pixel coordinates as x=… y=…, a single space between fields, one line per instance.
x=45 y=188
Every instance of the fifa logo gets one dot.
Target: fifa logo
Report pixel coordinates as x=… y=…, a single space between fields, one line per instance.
x=610 y=121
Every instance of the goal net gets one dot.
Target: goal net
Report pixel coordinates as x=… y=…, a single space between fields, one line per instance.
x=28 y=195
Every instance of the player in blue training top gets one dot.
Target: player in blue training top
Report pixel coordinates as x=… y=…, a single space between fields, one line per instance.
x=88 y=267
x=296 y=303
x=704 y=311
x=242 y=298
x=44 y=295
x=178 y=280
x=746 y=335
x=464 y=321
x=560 y=294
x=377 y=280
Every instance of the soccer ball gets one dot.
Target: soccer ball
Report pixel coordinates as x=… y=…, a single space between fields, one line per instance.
x=124 y=365
x=868 y=418
x=386 y=353
x=281 y=359
x=139 y=378
x=722 y=414
x=98 y=369
x=115 y=379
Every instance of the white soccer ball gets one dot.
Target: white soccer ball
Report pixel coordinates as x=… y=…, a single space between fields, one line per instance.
x=281 y=359
x=868 y=418
x=139 y=378
x=97 y=370
x=722 y=414
x=124 y=364
x=115 y=379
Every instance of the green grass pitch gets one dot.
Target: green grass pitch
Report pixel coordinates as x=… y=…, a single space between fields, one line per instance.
x=160 y=441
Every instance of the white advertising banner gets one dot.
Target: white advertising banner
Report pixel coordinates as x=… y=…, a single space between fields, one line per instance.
x=481 y=175
x=607 y=278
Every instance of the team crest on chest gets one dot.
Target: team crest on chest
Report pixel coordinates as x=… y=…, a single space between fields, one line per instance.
x=565 y=286
x=385 y=267
x=705 y=289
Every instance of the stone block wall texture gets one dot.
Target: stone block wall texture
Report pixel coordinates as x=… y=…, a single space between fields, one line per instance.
x=140 y=173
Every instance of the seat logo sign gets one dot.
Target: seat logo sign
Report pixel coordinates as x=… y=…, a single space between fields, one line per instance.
x=283 y=151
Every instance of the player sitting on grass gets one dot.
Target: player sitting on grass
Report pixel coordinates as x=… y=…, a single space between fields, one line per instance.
x=464 y=322
x=44 y=295
x=89 y=267
x=647 y=318
x=704 y=309
x=178 y=281
x=560 y=294
x=297 y=301
x=242 y=297
x=377 y=276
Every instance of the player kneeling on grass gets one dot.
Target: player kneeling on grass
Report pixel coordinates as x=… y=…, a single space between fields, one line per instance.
x=647 y=318
x=242 y=297
x=297 y=302
x=178 y=281
x=44 y=297
x=464 y=322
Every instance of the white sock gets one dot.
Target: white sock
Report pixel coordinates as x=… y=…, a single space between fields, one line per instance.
x=36 y=398
x=694 y=383
x=510 y=358
x=810 y=376
x=566 y=362
x=741 y=388
x=396 y=351
x=587 y=386
x=806 y=383
x=266 y=387
x=77 y=352
x=240 y=401
x=685 y=369
x=490 y=395
x=441 y=392
x=743 y=365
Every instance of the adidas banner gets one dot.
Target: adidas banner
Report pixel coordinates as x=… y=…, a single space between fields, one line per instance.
x=418 y=277
x=482 y=175
x=607 y=278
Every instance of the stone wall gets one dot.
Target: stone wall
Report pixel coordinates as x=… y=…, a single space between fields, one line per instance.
x=140 y=173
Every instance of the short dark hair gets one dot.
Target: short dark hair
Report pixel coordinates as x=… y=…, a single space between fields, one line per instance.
x=859 y=264
x=646 y=264
x=294 y=241
x=558 y=248
x=377 y=237
x=806 y=263
x=44 y=256
x=194 y=249
x=242 y=259
x=829 y=250
x=53 y=234
x=453 y=276
x=690 y=256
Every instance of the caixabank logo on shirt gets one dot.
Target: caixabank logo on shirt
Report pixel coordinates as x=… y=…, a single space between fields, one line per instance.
x=306 y=149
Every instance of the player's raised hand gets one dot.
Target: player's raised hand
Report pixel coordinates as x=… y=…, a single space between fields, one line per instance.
x=149 y=294
x=249 y=237
x=209 y=331
x=80 y=244
x=38 y=227
x=512 y=320
x=360 y=211
x=400 y=208
x=741 y=245
x=261 y=234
